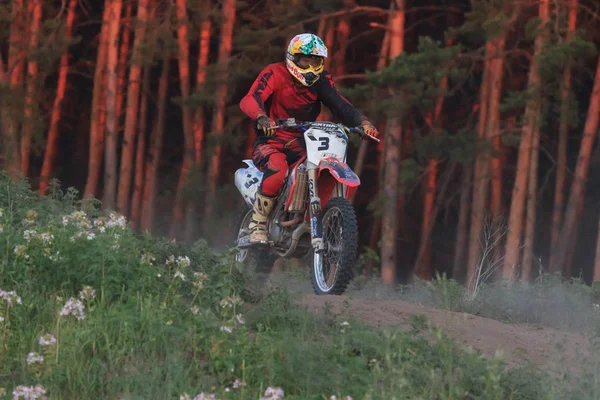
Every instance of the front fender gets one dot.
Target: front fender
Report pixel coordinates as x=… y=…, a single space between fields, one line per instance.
x=340 y=172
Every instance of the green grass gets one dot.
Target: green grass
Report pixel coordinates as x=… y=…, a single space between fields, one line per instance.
x=148 y=334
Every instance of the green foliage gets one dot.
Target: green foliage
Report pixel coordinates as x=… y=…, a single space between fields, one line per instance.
x=133 y=316
x=412 y=81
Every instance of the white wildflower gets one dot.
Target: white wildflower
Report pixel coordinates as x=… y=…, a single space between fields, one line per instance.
x=183 y=261
x=90 y=236
x=29 y=235
x=29 y=392
x=170 y=260
x=205 y=396
x=240 y=319
x=116 y=221
x=158 y=275
x=333 y=397
x=345 y=323
x=195 y=310
x=227 y=389
x=47 y=340
x=225 y=328
x=20 y=251
x=1 y=319
x=185 y=396
x=87 y=293
x=33 y=358
x=273 y=394
x=179 y=275
x=9 y=297
x=230 y=302
x=47 y=238
x=1 y=212
x=148 y=258
x=73 y=307
x=54 y=257
x=199 y=279
x=238 y=384
x=1 y=228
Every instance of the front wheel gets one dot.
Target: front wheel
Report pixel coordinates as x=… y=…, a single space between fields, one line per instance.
x=331 y=270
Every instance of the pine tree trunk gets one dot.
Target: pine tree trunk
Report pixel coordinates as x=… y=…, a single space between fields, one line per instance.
x=568 y=233
x=131 y=113
x=531 y=123
x=423 y=263
x=563 y=134
x=596 y=277
x=528 y=241
x=382 y=62
x=187 y=162
x=391 y=160
x=328 y=39
x=16 y=64
x=155 y=151
x=229 y=10
x=191 y=219
x=477 y=208
x=462 y=228
x=342 y=35
x=110 y=151
x=123 y=58
x=30 y=94
x=53 y=132
x=140 y=152
x=98 y=110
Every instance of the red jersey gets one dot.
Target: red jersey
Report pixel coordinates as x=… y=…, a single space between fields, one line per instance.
x=276 y=94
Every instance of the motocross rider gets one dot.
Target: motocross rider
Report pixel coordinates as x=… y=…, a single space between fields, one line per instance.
x=291 y=89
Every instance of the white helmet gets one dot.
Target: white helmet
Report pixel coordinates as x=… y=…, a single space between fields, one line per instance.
x=306 y=44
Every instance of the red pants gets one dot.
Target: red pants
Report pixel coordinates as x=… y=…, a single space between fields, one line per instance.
x=273 y=158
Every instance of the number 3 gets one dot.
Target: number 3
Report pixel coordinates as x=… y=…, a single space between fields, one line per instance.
x=324 y=143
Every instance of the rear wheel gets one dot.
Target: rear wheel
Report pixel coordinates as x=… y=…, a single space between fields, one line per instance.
x=331 y=270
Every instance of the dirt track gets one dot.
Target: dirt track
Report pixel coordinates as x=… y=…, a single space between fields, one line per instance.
x=486 y=335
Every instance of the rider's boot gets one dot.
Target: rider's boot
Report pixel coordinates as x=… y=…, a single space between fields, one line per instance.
x=260 y=213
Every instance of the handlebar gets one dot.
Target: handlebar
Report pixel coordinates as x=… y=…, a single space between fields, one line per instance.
x=292 y=123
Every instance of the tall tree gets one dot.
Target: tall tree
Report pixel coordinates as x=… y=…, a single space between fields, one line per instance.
x=131 y=113
x=187 y=162
x=568 y=233
x=98 y=109
x=530 y=124
x=563 y=134
x=391 y=160
x=423 y=264
x=462 y=228
x=229 y=10
x=140 y=152
x=53 y=132
x=596 y=276
x=30 y=94
x=110 y=164
x=124 y=57
x=16 y=62
x=155 y=150
x=488 y=118
x=199 y=118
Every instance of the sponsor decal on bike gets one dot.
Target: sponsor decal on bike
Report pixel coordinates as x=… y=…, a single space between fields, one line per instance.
x=315 y=207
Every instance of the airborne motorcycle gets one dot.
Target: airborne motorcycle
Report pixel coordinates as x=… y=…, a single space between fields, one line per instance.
x=312 y=212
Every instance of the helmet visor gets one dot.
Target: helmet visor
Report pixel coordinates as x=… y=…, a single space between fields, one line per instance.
x=310 y=61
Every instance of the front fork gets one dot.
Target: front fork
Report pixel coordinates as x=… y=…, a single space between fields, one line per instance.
x=316 y=223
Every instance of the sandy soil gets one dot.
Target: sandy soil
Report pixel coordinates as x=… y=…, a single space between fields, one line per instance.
x=518 y=341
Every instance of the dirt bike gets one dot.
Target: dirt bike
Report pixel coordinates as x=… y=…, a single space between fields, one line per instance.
x=312 y=215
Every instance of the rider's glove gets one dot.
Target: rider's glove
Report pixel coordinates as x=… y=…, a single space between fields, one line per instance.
x=266 y=124
x=369 y=129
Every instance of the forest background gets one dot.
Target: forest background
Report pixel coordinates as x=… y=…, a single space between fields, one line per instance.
x=488 y=109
